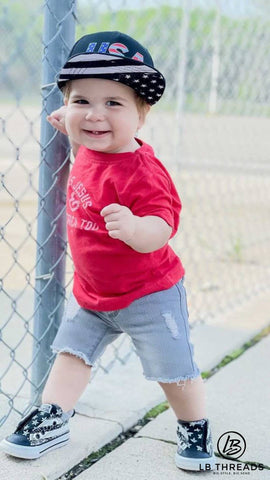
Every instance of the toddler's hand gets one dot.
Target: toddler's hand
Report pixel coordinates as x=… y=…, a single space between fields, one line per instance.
x=57 y=119
x=120 y=221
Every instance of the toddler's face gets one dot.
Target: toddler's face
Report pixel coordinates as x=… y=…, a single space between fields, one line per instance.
x=102 y=115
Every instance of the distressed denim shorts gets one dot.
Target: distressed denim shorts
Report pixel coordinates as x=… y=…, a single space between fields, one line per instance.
x=156 y=323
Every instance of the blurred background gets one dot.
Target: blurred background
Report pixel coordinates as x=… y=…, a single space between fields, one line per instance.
x=211 y=131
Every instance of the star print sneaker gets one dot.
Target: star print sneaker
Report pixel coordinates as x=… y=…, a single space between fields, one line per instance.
x=195 y=450
x=41 y=431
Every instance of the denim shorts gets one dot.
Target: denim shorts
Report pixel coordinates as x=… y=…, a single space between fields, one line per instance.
x=156 y=323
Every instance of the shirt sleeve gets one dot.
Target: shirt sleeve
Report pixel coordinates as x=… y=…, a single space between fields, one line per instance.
x=153 y=194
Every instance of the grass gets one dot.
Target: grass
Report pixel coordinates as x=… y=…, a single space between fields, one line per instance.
x=123 y=437
x=154 y=412
x=236 y=252
x=237 y=353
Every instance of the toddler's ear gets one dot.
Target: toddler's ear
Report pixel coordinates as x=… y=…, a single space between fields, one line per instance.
x=143 y=112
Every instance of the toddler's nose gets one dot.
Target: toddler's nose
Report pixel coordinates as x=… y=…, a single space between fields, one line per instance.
x=95 y=114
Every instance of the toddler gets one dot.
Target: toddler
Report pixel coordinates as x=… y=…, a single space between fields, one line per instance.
x=122 y=209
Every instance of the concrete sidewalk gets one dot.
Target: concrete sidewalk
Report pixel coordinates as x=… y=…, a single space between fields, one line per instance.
x=238 y=400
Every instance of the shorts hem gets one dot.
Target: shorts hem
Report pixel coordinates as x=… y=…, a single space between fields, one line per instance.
x=80 y=355
x=174 y=380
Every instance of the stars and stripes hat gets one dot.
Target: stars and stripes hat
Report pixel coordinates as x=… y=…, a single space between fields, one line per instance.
x=114 y=56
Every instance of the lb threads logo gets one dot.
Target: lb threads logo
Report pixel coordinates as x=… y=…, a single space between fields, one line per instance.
x=231 y=445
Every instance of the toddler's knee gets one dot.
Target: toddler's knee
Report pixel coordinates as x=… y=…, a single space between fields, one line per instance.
x=73 y=358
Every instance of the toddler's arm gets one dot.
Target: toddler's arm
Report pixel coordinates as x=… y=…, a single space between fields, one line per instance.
x=143 y=234
x=151 y=233
x=57 y=120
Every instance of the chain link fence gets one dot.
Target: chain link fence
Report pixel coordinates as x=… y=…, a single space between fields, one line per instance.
x=211 y=131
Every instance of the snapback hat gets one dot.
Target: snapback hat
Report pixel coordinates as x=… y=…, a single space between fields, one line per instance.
x=114 y=56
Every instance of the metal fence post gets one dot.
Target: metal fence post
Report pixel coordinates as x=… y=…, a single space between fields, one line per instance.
x=58 y=37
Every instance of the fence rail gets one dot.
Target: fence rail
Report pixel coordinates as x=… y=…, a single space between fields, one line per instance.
x=211 y=131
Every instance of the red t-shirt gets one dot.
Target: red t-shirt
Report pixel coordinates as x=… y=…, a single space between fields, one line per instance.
x=109 y=274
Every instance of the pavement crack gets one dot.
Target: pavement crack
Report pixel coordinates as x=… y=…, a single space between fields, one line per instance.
x=104 y=419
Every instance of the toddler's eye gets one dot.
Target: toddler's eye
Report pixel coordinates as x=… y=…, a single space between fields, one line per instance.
x=81 y=101
x=112 y=103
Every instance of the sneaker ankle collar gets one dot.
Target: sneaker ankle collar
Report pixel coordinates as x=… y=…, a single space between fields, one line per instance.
x=193 y=422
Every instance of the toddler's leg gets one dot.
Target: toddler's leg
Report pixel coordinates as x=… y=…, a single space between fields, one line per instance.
x=67 y=381
x=47 y=427
x=194 y=449
x=187 y=398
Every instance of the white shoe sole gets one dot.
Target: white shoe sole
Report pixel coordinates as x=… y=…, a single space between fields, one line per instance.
x=31 y=453
x=195 y=464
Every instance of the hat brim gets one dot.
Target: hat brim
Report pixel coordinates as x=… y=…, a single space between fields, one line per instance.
x=146 y=80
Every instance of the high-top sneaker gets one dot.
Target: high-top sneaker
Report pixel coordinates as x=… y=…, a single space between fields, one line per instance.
x=195 y=449
x=41 y=431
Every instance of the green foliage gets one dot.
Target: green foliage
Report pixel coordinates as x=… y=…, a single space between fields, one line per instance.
x=238 y=352
x=154 y=412
x=159 y=28
x=21 y=49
